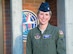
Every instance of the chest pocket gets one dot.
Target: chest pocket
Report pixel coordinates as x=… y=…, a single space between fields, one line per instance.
x=36 y=40
x=48 y=39
x=36 y=43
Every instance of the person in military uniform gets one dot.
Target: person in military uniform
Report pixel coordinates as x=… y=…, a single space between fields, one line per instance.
x=45 y=38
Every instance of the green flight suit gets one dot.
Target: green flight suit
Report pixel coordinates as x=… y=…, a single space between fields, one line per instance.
x=50 y=42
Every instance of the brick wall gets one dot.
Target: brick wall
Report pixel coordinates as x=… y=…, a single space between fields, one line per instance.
x=7 y=26
x=53 y=5
x=31 y=5
x=1 y=29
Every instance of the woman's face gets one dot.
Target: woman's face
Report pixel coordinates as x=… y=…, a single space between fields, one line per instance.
x=43 y=17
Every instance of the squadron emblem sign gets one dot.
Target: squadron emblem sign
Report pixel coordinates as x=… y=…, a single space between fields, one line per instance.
x=29 y=19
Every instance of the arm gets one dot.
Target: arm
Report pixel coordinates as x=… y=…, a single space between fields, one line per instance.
x=28 y=44
x=61 y=47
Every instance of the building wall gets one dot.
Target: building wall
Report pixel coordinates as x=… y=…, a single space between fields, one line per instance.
x=31 y=5
x=6 y=18
x=1 y=29
x=7 y=21
x=65 y=22
x=53 y=6
x=69 y=25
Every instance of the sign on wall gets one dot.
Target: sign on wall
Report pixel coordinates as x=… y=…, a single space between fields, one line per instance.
x=29 y=21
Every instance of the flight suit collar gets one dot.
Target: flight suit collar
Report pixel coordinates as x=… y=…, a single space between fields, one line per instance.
x=48 y=27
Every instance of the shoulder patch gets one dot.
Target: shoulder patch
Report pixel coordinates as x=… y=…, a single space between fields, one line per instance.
x=61 y=34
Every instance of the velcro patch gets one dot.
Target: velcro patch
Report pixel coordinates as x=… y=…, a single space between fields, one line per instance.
x=61 y=34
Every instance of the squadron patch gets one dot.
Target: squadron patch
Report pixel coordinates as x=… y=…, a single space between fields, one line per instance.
x=37 y=36
x=61 y=34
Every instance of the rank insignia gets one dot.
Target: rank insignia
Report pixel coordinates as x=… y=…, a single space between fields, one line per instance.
x=37 y=36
